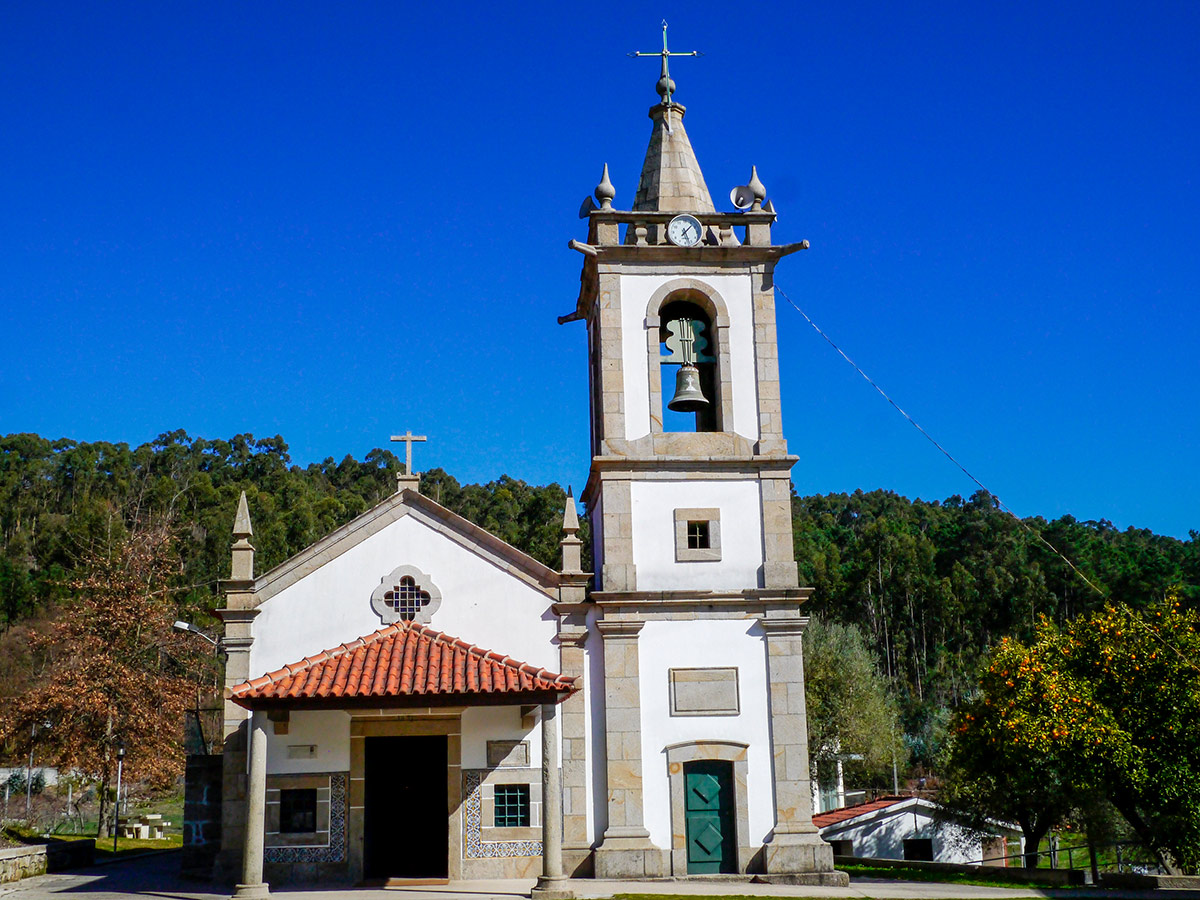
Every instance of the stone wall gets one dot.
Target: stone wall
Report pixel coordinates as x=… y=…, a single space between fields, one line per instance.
x=38 y=859
x=201 y=813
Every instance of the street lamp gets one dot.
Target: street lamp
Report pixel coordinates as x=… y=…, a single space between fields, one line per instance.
x=117 y=804
x=181 y=625
x=29 y=769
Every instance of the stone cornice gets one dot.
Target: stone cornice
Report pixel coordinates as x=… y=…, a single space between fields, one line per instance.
x=429 y=513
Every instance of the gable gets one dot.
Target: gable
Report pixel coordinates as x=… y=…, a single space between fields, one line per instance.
x=491 y=594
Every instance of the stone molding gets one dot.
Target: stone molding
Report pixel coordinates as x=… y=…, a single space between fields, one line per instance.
x=431 y=514
x=618 y=629
x=691 y=751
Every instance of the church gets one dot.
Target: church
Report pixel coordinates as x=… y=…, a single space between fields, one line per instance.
x=413 y=698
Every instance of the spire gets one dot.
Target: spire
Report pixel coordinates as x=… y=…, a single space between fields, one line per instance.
x=671 y=178
x=243 y=551
x=572 y=546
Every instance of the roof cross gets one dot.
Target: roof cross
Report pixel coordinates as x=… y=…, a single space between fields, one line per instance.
x=408 y=438
x=665 y=87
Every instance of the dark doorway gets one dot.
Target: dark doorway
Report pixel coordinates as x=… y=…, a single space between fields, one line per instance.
x=406 y=816
x=709 y=808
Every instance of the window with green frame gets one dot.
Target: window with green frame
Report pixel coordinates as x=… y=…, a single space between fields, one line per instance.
x=511 y=805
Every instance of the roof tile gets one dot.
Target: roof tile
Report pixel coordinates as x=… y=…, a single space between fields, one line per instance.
x=403 y=659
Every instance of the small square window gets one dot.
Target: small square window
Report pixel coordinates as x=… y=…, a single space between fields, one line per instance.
x=698 y=535
x=298 y=811
x=511 y=805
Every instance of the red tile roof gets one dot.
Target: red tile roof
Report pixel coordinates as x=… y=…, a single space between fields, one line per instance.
x=851 y=812
x=402 y=664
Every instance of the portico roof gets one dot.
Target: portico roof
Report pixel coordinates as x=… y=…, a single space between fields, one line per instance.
x=406 y=664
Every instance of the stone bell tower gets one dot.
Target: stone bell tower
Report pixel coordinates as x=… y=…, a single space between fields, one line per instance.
x=696 y=592
x=699 y=497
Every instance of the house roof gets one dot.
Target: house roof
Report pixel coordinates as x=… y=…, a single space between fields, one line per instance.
x=838 y=820
x=846 y=813
x=404 y=664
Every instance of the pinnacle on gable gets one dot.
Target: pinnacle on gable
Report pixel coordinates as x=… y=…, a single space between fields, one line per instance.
x=241 y=521
x=570 y=515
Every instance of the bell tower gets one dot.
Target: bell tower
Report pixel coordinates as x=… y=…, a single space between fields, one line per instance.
x=694 y=618
x=689 y=484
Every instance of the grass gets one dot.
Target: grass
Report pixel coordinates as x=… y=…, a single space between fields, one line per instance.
x=131 y=846
x=897 y=874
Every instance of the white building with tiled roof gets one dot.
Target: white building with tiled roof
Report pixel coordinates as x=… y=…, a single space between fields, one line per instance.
x=413 y=698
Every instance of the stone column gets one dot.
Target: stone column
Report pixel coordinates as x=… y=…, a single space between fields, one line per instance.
x=252 y=886
x=238 y=620
x=626 y=851
x=795 y=846
x=573 y=713
x=551 y=883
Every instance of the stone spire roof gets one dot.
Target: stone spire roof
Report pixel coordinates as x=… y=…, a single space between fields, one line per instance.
x=671 y=178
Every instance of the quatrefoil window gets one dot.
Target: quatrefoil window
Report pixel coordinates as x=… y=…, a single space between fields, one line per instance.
x=405 y=595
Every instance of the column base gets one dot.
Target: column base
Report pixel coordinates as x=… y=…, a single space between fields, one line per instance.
x=252 y=891
x=630 y=857
x=790 y=854
x=556 y=888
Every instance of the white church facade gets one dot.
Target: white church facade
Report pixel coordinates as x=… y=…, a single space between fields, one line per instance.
x=412 y=698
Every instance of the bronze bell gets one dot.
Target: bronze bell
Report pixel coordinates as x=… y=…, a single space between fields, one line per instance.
x=688 y=396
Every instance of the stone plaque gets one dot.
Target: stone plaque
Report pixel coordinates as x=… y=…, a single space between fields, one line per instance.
x=704 y=692
x=507 y=753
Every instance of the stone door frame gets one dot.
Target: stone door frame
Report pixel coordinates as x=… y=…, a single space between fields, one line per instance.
x=446 y=722
x=691 y=751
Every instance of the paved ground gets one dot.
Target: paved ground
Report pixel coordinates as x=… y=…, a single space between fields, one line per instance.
x=158 y=877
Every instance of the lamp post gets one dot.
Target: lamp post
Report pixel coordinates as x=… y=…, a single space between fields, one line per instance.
x=29 y=769
x=117 y=803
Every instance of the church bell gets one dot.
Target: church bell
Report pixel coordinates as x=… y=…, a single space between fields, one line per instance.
x=688 y=396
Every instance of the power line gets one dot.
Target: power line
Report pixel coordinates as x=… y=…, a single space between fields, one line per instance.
x=1038 y=535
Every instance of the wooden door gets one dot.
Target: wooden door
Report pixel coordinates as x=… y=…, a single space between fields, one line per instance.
x=709 y=818
x=406 y=820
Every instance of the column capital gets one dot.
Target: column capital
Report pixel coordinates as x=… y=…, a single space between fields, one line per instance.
x=619 y=628
x=793 y=626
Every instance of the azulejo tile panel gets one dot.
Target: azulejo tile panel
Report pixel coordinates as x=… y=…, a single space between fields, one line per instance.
x=336 y=850
x=474 y=847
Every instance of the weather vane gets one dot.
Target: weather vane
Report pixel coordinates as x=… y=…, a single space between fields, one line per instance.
x=666 y=87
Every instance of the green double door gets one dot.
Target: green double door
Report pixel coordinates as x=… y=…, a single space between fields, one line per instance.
x=709 y=819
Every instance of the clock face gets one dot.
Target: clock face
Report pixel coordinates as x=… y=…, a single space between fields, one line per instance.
x=684 y=231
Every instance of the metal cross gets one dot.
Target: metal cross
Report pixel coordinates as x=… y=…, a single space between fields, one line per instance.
x=408 y=437
x=666 y=87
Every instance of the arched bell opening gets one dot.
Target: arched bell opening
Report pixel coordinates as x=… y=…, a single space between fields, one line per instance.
x=689 y=377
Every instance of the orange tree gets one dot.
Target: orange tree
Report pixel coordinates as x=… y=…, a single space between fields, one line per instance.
x=116 y=673
x=1108 y=705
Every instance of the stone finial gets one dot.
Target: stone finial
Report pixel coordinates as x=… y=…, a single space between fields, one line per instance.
x=241 y=520
x=242 y=568
x=572 y=546
x=770 y=208
x=605 y=190
x=756 y=189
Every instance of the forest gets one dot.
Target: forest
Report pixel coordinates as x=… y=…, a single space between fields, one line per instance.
x=931 y=584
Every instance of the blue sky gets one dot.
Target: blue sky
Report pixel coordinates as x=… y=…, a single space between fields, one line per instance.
x=339 y=221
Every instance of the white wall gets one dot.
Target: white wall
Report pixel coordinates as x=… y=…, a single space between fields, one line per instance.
x=654 y=504
x=731 y=642
x=328 y=730
x=481 y=724
x=883 y=837
x=481 y=602
x=636 y=291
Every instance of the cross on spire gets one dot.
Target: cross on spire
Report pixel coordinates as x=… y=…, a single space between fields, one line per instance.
x=665 y=87
x=408 y=438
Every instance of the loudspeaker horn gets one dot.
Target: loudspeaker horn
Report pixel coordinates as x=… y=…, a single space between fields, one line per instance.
x=741 y=196
x=587 y=207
